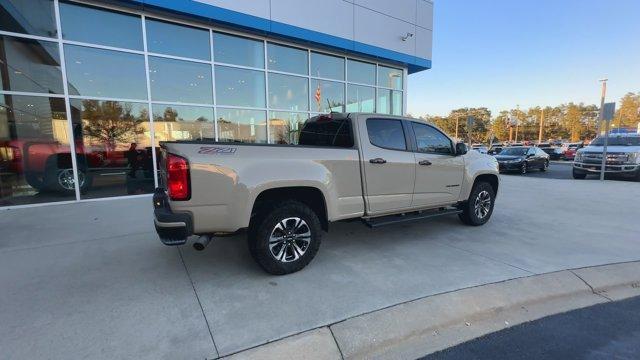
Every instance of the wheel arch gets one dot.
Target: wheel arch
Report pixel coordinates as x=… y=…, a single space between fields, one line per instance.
x=308 y=195
x=492 y=179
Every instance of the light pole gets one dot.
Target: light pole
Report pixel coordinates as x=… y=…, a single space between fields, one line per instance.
x=541 y=124
x=603 y=93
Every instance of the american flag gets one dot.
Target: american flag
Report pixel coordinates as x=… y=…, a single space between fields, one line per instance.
x=318 y=95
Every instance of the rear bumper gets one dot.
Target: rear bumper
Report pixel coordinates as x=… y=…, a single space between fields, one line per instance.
x=172 y=228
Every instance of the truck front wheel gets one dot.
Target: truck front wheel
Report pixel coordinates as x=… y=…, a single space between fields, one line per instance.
x=285 y=238
x=478 y=208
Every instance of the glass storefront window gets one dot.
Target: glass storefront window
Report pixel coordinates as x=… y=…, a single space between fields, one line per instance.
x=35 y=154
x=240 y=87
x=390 y=77
x=389 y=102
x=177 y=40
x=361 y=98
x=288 y=92
x=327 y=66
x=361 y=72
x=176 y=122
x=287 y=59
x=30 y=66
x=327 y=96
x=238 y=50
x=249 y=126
x=180 y=81
x=98 y=26
x=105 y=73
x=284 y=127
x=114 y=148
x=33 y=17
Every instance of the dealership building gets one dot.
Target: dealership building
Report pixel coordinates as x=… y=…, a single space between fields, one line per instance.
x=90 y=88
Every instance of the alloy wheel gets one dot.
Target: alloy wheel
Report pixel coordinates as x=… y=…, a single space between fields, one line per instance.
x=66 y=180
x=289 y=239
x=482 y=204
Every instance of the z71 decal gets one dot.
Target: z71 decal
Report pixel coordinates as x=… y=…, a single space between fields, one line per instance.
x=216 y=150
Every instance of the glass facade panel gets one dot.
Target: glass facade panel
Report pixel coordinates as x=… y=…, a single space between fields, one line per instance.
x=389 y=102
x=114 y=148
x=288 y=92
x=176 y=122
x=180 y=81
x=287 y=59
x=239 y=87
x=177 y=40
x=33 y=17
x=35 y=155
x=112 y=117
x=327 y=66
x=30 y=66
x=102 y=27
x=241 y=125
x=105 y=73
x=390 y=77
x=361 y=98
x=361 y=72
x=327 y=96
x=284 y=127
x=238 y=50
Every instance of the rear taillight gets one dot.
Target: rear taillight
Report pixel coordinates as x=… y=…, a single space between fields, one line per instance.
x=178 y=178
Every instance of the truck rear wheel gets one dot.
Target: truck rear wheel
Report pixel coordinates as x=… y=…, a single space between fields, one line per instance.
x=478 y=208
x=285 y=238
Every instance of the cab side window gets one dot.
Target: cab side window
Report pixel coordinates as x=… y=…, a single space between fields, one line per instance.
x=386 y=133
x=430 y=140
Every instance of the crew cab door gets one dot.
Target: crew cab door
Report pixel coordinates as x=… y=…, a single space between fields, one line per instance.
x=439 y=172
x=388 y=163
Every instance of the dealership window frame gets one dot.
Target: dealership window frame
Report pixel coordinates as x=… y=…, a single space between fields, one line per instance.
x=144 y=15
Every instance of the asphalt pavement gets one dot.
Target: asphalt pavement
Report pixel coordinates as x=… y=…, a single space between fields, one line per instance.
x=562 y=170
x=604 y=331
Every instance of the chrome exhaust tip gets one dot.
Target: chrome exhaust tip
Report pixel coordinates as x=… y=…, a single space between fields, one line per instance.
x=202 y=242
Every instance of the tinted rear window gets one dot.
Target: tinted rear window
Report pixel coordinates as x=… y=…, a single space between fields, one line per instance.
x=326 y=131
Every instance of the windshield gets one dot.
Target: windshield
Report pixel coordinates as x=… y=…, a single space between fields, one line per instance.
x=514 y=151
x=617 y=141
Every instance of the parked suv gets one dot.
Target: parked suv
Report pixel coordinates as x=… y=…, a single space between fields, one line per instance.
x=623 y=157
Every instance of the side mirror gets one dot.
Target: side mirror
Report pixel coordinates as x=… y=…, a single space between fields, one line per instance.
x=461 y=148
x=529 y=155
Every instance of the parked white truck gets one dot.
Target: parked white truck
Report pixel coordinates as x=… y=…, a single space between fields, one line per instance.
x=623 y=157
x=378 y=168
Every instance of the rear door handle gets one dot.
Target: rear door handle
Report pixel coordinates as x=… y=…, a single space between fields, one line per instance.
x=378 y=161
x=424 y=162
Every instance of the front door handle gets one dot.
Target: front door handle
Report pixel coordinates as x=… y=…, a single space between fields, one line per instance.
x=378 y=161
x=424 y=162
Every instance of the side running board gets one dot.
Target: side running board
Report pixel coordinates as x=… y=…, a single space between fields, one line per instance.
x=402 y=218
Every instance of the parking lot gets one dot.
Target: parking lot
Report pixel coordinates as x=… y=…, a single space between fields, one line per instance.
x=93 y=280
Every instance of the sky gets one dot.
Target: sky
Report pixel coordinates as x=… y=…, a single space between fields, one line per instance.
x=503 y=53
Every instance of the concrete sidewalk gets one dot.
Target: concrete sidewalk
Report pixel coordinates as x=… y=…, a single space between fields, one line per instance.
x=93 y=281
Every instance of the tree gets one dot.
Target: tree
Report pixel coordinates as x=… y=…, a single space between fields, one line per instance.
x=112 y=122
x=628 y=115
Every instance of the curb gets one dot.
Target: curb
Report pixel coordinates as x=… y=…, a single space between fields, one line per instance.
x=423 y=326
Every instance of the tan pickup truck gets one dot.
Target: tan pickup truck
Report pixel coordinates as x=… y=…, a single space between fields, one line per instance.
x=378 y=168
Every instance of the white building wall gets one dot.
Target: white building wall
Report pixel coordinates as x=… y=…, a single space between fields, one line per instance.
x=381 y=23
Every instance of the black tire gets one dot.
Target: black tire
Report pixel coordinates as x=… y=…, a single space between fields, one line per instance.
x=266 y=224
x=469 y=215
x=545 y=166
x=578 y=175
x=523 y=168
x=53 y=174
